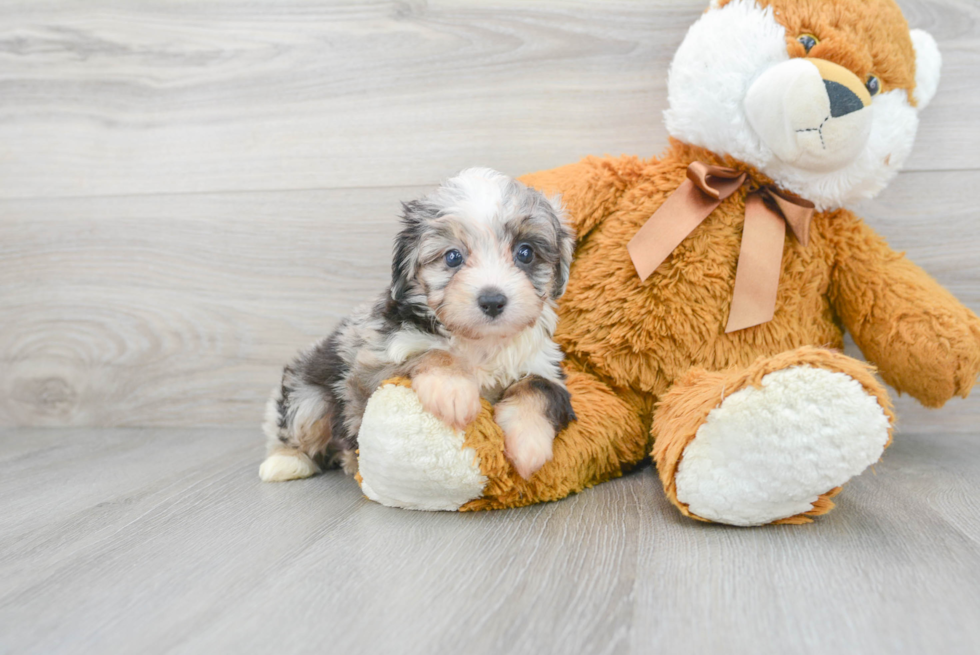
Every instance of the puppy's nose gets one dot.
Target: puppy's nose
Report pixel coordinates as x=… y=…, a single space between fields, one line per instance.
x=492 y=302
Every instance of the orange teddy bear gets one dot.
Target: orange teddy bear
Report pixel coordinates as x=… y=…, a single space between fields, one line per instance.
x=704 y=315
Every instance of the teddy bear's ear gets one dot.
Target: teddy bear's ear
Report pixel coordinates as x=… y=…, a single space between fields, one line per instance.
x=928 y=61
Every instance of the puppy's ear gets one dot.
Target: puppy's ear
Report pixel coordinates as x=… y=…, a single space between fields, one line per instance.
x=566 y=247
x=405 y=261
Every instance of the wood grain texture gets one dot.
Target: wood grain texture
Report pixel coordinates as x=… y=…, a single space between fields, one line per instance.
x=154 y=541
x=190 y=191
x=181 y=309
x=112 y=98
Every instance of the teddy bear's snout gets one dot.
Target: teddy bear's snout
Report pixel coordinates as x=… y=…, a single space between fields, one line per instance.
x=812 y=113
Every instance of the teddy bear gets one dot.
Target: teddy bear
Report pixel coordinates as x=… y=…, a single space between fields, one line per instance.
x=705 y=309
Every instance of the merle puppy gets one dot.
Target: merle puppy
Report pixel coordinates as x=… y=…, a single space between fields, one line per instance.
x=470 y=313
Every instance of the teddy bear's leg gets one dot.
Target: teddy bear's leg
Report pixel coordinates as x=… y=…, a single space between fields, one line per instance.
x=410 y=459
x=770 y=443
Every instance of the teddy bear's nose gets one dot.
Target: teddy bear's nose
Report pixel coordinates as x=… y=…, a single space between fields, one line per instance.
x=843 y=101
x=847 y=94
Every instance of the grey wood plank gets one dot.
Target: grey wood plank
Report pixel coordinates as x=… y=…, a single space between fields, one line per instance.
x=181 y=309
x=177 y=309
x=116 y=489
x=185 y=572
x=107 y=97
x=864 y=579
x=174 y=546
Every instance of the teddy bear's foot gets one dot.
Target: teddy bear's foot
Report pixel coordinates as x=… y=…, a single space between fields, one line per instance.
x=772 y=443
x=408 y=458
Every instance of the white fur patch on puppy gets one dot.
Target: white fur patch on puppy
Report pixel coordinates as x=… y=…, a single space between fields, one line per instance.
x=408 y=458
x=767 y=454
x=528 y=435
x=449 y=396
x=283 y=466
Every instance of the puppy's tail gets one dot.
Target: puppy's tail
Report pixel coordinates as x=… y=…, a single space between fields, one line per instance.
x=298 y=419
x=275 y=423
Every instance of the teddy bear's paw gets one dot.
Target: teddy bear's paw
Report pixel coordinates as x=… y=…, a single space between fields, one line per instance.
x=409 y=458
x=769 y=453
x=284 y=465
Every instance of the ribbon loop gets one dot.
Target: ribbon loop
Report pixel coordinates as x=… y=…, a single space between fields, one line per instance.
x=716 y=181
x=767 y=213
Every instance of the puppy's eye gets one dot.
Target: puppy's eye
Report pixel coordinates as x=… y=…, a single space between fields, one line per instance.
x=524 y=254
x=874 y=85
x=454 y=258
x=808 y=41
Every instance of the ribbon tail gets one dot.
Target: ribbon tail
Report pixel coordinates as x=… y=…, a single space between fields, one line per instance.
x=798 y=213
x=683 y=211
x=759 y=263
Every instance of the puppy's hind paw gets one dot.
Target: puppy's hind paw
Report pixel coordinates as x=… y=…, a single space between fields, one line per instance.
x=287 y=465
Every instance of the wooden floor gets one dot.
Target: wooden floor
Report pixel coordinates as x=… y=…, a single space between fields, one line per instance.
x=190 y=191
x=163 y=540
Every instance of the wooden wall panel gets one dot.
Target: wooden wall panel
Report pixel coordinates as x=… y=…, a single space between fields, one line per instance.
x=179 y=310
x=111 y=98
x=189 y=191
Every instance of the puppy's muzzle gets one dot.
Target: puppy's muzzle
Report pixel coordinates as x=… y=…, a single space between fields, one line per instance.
x=811 y=113
x=492 y=302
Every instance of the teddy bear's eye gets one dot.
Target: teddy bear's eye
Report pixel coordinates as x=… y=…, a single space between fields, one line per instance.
x=874 y=85
x=808 y=41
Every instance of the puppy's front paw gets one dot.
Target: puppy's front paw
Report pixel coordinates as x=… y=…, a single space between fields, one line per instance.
x=452 y=398
x=528 y=436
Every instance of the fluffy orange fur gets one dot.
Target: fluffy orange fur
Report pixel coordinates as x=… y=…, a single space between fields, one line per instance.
x=646 y=336
x=868 y=37
x=662 y=339
x=635 y=346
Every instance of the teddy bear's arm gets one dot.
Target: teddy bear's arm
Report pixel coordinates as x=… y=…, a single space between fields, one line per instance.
x=590 y=189
x=923 y=340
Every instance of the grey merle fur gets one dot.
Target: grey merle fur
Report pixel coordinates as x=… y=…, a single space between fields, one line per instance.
x=329 y=384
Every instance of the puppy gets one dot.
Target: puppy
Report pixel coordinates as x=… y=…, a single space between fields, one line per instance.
x=470 y=313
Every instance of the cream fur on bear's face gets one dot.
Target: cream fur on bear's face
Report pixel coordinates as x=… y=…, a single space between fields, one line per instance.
x=810 y=125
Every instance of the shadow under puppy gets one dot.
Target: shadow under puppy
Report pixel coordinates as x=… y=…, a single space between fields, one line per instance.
x=470 y=312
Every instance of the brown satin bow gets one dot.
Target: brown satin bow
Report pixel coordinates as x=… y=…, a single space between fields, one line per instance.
x=767 y=211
